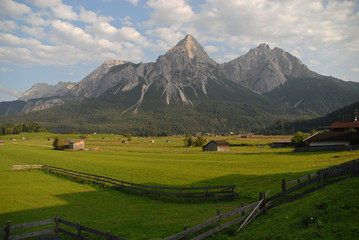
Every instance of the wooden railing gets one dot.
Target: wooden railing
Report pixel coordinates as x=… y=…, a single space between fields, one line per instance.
x=186 y=193
x=246 y=215
x=53 y=227
x=25 y=167
x=321 y=177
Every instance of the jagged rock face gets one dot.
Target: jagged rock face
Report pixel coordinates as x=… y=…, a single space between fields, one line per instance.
x=41 y=104
x=90 y=86
x=44 y=90
x=185 y=65
x=263 y=69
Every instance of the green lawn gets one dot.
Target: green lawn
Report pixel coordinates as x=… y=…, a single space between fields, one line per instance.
x=33 y=195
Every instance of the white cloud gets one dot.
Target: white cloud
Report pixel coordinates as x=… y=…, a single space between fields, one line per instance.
x=35 y=19
x=3 y=69
x=13 y=9
x=92 y=17
x=169 y=12
x=13 y=93
x=211 y=48
x=356 y=69
x=134 y=2
x=8 y=26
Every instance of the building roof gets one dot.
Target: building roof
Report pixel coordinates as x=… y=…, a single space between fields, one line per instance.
x=345 y=125
x=77 y=141
x=283 y=141
x=220 y=142
x=332 y=136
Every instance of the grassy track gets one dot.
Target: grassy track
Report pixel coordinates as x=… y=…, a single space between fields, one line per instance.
x=33 y=195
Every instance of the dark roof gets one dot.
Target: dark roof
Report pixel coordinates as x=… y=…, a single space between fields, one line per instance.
x=333 y=136
x=345 y=125
x=283 y=141
x=220 y=142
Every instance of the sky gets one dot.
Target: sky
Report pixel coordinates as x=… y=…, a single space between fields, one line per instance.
x=47 y=41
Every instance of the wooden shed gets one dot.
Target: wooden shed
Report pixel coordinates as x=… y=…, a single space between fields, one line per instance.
x=216 y=145
x=77 y=145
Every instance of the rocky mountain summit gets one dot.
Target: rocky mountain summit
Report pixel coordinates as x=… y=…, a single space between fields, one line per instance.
x=44 y=90
x=263 y=69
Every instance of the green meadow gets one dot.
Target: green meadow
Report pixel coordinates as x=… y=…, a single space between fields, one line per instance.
x=28 y=196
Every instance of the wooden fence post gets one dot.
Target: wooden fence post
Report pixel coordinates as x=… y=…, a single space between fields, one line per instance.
x=321 y=179
x=7 y=230
x=264 y=203
x=242 y=205
x=57 y=224
x=108 y=235
x=284 y=184
x=219 y=219
x=79 y=235
x=184 y=229
x=260 y=195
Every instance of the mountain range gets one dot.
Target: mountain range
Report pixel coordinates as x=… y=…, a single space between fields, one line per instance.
x=185 y=90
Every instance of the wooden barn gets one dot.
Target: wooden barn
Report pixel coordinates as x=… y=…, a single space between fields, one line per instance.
x=76 y=145
x=216 y=145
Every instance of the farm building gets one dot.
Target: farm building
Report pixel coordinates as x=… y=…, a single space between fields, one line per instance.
x=281 y=144
x=216 y=145
x=344 y=126
x=333 y=139
x=76 y=145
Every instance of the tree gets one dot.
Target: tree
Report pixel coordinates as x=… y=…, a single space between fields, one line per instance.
x=298 y=138
x=59 y=144
x=190 y=141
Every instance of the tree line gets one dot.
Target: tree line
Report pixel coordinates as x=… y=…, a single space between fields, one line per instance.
x=8 y=128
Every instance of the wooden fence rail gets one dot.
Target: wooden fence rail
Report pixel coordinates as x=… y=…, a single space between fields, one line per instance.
x=250 y=209
x=188 y=193
x=54 y=228
x=25 y=167
x=351 y=167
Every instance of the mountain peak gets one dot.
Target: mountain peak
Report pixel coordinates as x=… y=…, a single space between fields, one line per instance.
x=189 y=48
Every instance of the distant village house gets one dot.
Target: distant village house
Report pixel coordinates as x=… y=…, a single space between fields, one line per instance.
x=344 y=126
x=216 y=145
x=343 y=136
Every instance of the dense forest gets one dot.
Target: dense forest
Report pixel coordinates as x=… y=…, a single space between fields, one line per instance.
x=7 y=129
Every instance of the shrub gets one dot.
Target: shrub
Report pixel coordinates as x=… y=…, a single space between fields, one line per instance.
x=60 y=144
x=298 y=138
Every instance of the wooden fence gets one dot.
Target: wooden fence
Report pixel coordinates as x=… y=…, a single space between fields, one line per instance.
x=321 y=178
x=246 y=215
x=54 y=226
x=25 y=167
x=186 y=193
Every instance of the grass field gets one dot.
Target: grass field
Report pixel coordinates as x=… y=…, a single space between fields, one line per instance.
x=33 y=195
